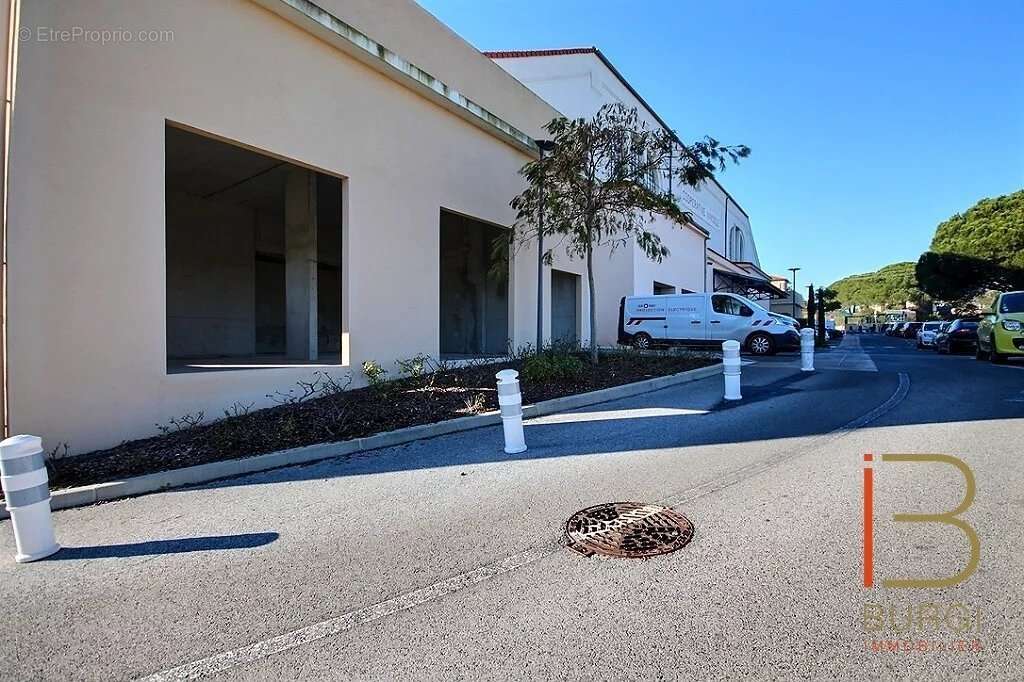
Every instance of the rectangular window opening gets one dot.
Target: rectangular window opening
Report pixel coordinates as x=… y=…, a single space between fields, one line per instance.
x=254 y=259
x=474 y=281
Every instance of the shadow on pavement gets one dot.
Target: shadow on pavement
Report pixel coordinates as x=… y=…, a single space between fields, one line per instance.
x=207 y=543
x=776 y=404
x=779 y=402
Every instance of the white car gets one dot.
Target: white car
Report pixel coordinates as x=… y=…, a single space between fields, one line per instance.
x=926 y=335
x=703 y=320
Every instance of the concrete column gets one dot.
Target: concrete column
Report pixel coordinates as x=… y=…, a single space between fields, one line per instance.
x=300 y=264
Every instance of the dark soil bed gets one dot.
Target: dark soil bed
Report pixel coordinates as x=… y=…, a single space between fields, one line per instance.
x=331 y=414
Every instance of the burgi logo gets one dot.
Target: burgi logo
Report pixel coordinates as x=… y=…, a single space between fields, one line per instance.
x=951 y=518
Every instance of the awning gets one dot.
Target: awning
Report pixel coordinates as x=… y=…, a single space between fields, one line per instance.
x=744 y=285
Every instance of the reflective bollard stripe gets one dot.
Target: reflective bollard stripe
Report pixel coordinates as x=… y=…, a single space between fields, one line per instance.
x=22 y=465
x=27 y=496
x=510 y=400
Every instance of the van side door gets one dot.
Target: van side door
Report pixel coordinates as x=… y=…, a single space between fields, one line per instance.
x=687 y=321
x=729 y=318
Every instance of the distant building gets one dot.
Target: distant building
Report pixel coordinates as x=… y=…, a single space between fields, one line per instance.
x=787 y=304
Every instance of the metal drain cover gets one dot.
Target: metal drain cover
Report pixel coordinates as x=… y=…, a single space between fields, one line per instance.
x=627 y=529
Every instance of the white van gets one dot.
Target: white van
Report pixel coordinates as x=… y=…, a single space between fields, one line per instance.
x=703 y=320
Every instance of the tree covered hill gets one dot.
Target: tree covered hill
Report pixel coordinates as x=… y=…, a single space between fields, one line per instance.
x=890 y=287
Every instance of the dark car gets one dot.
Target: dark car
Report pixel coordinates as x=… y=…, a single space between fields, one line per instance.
x=960 y=336
x=910 y=330
x=897 y=329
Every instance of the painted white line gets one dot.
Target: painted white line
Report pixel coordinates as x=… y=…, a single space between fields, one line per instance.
x=227 y=660
x=248 y=654
x=604 y=415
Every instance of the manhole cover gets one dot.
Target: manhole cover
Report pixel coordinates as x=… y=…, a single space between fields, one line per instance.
x=627 y=529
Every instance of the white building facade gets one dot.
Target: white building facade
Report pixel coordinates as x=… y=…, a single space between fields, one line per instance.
x=717 y=254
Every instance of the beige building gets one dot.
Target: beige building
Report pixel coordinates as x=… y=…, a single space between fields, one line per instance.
x=208 y=201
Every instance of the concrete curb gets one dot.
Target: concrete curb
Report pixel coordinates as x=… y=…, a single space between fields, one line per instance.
x=205 y=473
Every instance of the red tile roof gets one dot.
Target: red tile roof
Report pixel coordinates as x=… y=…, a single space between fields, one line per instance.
x=509 y=54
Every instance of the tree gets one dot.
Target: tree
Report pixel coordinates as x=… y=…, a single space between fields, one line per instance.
x=992 y=230
x=810 y=305
x=828 y=301
x=960 y=279
x=600 y=186
x=976 y=251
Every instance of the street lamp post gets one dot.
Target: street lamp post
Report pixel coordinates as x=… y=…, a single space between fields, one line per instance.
x=794 y=271
x=543 y=146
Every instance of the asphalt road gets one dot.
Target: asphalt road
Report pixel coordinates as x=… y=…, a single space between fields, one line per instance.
x=442 y=559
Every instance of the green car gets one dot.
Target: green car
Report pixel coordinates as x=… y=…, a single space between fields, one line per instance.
x=1001 y=330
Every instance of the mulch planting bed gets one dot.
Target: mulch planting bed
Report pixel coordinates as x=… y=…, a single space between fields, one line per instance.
x=321 y=412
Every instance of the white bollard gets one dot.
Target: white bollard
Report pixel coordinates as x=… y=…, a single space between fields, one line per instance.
x=807 y=349
x=27 y=491
x=511 y=402
x=731 y=360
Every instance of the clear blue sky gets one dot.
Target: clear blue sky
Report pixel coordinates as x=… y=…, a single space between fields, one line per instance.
x=870 y=122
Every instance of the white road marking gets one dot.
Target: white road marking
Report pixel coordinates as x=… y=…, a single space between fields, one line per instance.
x=251 y=653
x=603 y=415
x=229 y=659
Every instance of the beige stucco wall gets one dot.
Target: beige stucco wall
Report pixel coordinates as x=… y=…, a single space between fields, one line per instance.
x=409 y=29
x=87 y=301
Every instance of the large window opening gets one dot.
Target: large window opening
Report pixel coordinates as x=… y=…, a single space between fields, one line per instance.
x=253 y=258
x=565 y=307
x=474 y=289
x=662 y=289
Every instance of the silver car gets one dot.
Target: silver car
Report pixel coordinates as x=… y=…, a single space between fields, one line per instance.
x=926 y=335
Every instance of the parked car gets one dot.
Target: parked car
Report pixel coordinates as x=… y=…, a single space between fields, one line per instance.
x=702 y=320
x=833 y=333
x=1001 y=331
x=897 y=329
x=960 y=335
x=926 y=335
x=910 y=329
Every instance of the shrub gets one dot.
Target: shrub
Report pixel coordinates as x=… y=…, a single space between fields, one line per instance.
x=475 y=404
x=551 y=366
x=414 y=367
x=375 y=374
